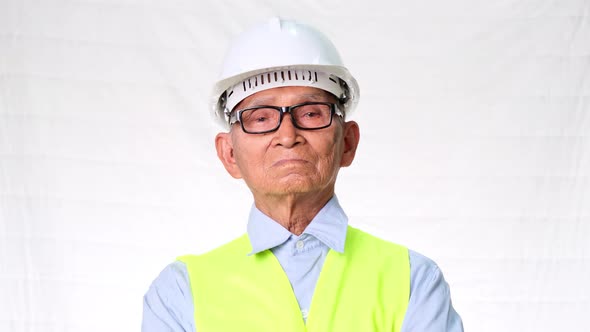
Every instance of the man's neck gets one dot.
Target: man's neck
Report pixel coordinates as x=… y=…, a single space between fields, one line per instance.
x=294 y=211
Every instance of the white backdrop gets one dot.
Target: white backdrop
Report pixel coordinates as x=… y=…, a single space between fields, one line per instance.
x=475 y=150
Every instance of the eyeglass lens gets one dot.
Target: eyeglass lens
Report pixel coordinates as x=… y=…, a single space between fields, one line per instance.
x=308 y=116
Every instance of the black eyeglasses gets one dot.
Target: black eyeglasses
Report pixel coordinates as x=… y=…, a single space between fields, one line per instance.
x=265 y=119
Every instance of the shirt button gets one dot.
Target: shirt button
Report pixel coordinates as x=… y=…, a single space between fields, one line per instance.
x=300 y=244
x=304 y=313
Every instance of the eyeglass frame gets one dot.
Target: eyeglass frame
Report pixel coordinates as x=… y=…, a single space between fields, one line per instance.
x=236 y=116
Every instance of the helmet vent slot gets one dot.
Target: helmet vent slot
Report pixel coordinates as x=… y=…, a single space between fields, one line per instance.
x=253 y=82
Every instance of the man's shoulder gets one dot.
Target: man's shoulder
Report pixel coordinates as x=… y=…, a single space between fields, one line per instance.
x=359 y=234
x=422 y=267
x=172 y=282
x=425 y=276
x=364 y=242
x=420 y=264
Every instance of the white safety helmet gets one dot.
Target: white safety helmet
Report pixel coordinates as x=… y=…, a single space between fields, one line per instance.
x=281 y=53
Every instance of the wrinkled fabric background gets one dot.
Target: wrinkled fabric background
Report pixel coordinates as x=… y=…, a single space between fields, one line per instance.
x=475 y=150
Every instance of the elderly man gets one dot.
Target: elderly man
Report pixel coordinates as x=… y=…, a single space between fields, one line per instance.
x=284 y=96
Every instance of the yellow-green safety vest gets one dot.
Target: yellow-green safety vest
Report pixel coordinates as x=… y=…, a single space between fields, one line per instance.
x=364 y=289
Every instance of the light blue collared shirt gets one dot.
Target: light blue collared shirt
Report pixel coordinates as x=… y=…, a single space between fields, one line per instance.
x=168 y=304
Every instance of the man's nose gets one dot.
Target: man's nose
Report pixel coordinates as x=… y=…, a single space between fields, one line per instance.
x=288 y=134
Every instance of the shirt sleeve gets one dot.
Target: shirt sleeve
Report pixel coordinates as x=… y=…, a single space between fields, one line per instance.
x=168 y=304
x=430 y=308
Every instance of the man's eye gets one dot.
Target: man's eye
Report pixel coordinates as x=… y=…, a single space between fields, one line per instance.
x=311 y=114
x=261 y=115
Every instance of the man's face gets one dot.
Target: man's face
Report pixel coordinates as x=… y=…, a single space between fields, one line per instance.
x=288 y=161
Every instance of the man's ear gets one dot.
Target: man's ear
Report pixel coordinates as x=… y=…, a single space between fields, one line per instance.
x=351 y=141
x=225 y=153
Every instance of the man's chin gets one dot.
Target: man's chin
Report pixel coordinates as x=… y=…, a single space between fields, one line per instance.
x=293 y=184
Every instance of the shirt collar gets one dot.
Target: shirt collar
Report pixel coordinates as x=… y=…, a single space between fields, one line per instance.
x=329 y=226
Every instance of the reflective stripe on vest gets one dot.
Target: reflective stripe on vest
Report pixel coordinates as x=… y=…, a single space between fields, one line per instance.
x=366 y=289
